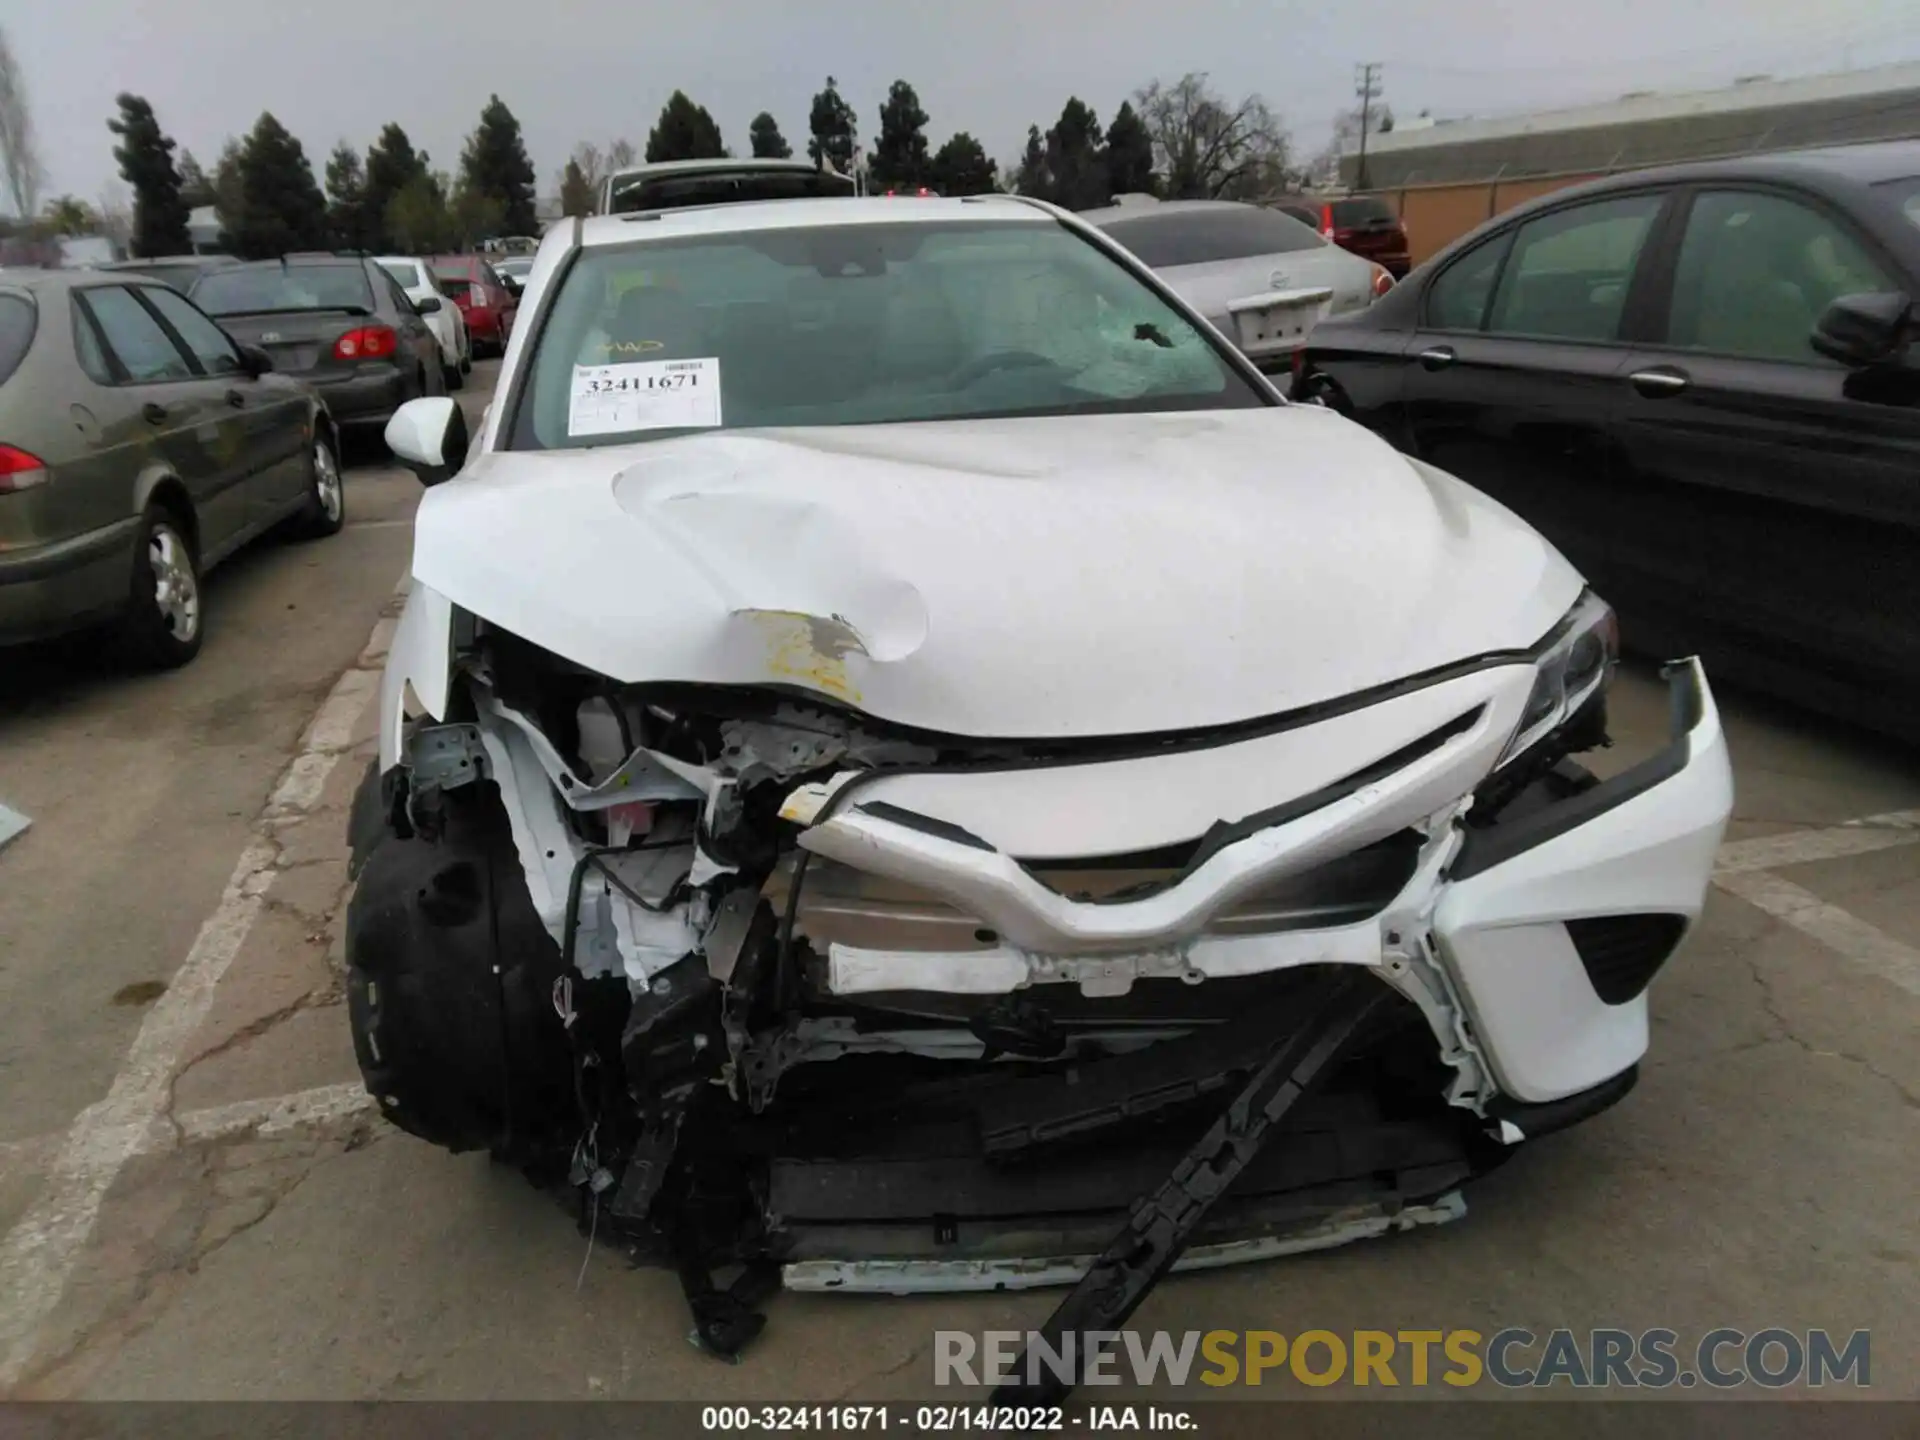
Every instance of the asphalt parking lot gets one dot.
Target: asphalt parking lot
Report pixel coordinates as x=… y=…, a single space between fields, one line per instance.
x=197 y=1202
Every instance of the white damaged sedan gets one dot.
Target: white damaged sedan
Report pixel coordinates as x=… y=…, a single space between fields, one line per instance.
x=906 y=765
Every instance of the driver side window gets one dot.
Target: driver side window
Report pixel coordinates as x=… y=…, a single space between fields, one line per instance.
x=1755 y=272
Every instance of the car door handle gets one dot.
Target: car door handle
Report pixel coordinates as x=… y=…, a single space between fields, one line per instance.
x=236 y=399
x=156 y=413
x=1438 y=358
x=1655 y=384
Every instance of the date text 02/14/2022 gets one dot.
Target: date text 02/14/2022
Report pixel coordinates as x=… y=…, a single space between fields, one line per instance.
x=941 y=1419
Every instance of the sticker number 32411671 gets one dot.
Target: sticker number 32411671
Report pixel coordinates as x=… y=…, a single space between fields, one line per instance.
x=648 y=395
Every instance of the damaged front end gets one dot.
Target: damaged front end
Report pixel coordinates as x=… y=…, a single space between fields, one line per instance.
x=753 y=978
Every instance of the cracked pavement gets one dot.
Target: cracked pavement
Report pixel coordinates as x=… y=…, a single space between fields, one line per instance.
x=258 y=1246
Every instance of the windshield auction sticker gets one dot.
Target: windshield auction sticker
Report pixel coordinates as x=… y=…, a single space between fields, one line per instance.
x=646 y=395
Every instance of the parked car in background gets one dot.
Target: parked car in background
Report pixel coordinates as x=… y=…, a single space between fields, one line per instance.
x=414 y=275
x=140 y=446
x=1700 y=382
x=1255 y=273
x=1365 y=224
x=339 y=322
x=500 y=246
x=179 y=271
x=672 y=184
x=486 y=304
x=515 y=269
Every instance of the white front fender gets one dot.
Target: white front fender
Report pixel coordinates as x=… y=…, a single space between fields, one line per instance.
x=419 y=663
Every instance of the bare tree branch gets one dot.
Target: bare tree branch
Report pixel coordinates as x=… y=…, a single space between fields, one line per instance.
x=1207 y=148
x=19 y=155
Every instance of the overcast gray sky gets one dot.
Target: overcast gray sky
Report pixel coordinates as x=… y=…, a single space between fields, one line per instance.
x=597 y=69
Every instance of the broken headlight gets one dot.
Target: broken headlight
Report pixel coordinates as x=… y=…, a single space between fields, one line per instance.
x=1576 y=666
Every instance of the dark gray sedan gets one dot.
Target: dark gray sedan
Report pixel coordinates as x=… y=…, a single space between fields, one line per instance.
x=339 y=322
x=139 y=445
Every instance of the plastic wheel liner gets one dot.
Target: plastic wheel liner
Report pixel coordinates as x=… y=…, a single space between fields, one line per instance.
x=751 y=979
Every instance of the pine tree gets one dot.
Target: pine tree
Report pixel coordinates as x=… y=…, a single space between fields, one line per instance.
x=281 y=207
x=495 y=165
x=1076 y=159
x=900 y=158
x=195 y=188
x=1129 y=154
x=831 y=121
x=685 y=131
x=347 y=216
x=576 y=190
x=768 y=142
x=146 y=164
x=1032 y=177
x=961 y=167
x=392 y=165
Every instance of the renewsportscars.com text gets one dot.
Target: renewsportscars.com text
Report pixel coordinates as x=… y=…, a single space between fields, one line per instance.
x=1513 y=1358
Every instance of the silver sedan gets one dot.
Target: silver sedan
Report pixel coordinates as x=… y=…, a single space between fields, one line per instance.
x=1260 y=276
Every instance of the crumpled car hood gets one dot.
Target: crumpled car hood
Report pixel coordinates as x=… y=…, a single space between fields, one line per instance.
x=1028 y=578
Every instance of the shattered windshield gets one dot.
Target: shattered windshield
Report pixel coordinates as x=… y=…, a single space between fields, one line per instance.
x=857 y=324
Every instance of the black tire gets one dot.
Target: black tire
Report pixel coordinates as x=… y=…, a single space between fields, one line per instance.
x=453 y=376
x=165 y=619
x=450 y=983
x=325 y=510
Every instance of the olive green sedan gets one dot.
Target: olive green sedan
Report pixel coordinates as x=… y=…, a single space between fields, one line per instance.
x=139 y=446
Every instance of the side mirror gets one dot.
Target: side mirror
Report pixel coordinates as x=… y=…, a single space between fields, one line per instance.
x=1862 y=330
x=514 y=287
x=428 y=306
x=255 y=361
x=429 y=437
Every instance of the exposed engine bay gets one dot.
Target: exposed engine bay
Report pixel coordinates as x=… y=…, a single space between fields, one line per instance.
x=752 y=979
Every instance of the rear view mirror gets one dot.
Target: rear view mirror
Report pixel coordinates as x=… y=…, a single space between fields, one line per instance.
x=429 y=306
x=429 y=437
x=1861 y=330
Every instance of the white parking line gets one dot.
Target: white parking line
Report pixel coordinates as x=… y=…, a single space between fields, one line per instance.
x=1802 y=847
x=274 y=1115
x=40 y=1252
x=1867 y=946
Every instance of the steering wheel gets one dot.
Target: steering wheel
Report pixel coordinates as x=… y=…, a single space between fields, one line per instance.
x=985 y=365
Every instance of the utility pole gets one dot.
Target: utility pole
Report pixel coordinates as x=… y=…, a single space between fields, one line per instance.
x=1366 y=84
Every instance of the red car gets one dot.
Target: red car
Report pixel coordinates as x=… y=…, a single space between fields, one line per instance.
x=1364 y=224
x=485 y=302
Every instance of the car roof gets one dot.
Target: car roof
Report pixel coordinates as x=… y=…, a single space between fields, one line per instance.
x=748 y=216
x=203 y=260
x=77 y=279
x=1885 y=160
x=305 y=262
x=1107 y=215
x=692 y=167
x=1829 y=168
